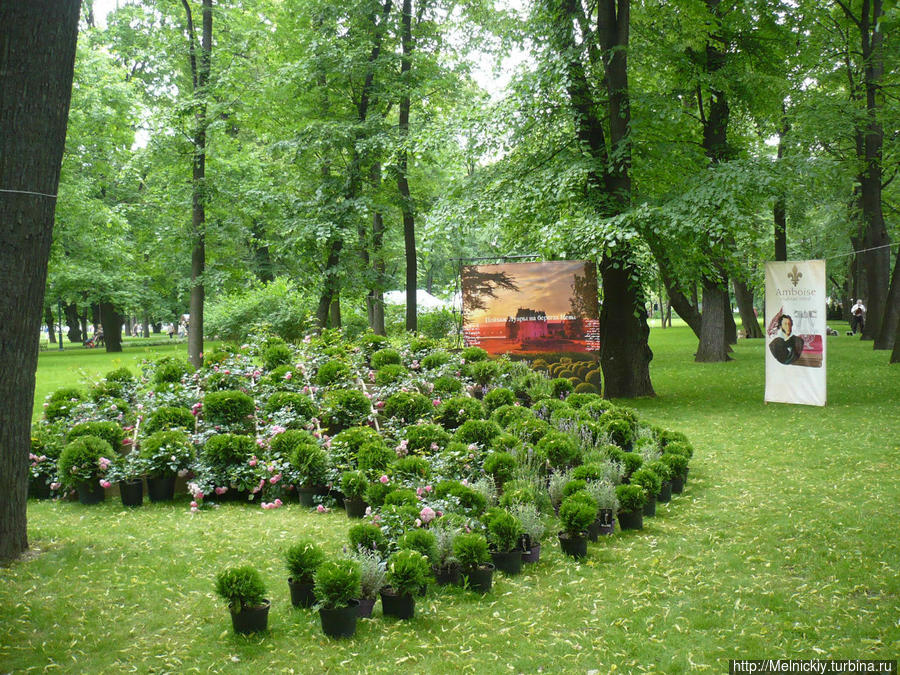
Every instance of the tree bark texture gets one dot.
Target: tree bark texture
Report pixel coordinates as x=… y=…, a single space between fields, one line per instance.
x=37 y=57
x=51 y=329
x=112 y=327
x=406 y=205
x=376 y=294
x=713 y=346
x=73 y=322
x=744 y=298
x=887 y=335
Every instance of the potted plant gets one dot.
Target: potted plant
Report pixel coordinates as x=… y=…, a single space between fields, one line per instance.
x=678 y=464
x=82 y=465
x=556 y=485
x=664 y=471
x=372 y=569
x=43 y=465
x=576 y=513
x=504 y=531
x=303 y=559
x=245 y=592
x=445 y=564
x=425 y=542
x=474 y=561
x=604 y=494
x=129 y=471
x=354 y=485
x=338 y=586
x=533 y=531
x=167 y=453
x=652 y=483
x=311 y=464
x=631 y=499
x=407 y=571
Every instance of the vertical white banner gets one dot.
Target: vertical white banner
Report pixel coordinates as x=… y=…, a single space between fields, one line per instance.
x=795 y=332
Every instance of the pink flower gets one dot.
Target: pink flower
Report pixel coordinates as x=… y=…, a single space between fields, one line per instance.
x=277 y=502
x=198 y=495
x=104 y=463
x=368 y=510
x=253 y=461
x=221 y=490
x=436 y=402
x=55 y=486
x=265 y=505
x=418 y=523
x=193 y=505
x=105 y=483
x=379 y=404
x=371 y=375
x=227 y=372
x=305 y=389
x=439 y=513
x=245 y=346
x=321 y=509
x=274 y=479
x=384 y=479
x=461 y=412
x=464 y=481
x=256 y=374
x=194 y=509
x=435 y=447
x=428 y=488
x=287 y=376
x=419 y=492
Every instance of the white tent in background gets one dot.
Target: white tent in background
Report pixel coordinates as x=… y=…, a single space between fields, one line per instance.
x=424 y=300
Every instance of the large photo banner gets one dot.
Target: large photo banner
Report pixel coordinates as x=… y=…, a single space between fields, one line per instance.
x=795 y=332
x=531 y=308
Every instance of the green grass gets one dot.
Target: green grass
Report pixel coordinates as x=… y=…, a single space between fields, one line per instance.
x=784 y=544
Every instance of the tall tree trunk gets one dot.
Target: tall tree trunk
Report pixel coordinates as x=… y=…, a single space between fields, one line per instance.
x=48 y=319
x=376 y=295
x=112 y=327
x=145 y=325
x=331 y=287
x=334 y=312
x=686 y=310
x=744 y=298
x=406 y=205
x=73 y=321
x=84 y=322
x=887 y=336
x=37 y=57
x=262 y=258
x=200 y=70
x=730 y=325
x=713 y=345
x=779 y=211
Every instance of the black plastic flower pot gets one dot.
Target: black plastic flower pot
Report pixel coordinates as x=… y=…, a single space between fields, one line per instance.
x=307 y=495
x=251 y=619
x=132 y=492
x=533 y=554
x=355 y=507
x=593 y=531
x=398 y=605
x=479 y=579
x=366 y=605
x=340 y=622
x=631 y=520
x=449 y=574
x=573 y=545
x=650 y=507
x=607 y=520
x=90 y=492
x=161 y=488
x=509 y=562
x=665 y=492
x=39 y=488
x=302 y=594
x=677 y=485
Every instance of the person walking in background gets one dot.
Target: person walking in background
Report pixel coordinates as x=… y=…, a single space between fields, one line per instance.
x=857 y=316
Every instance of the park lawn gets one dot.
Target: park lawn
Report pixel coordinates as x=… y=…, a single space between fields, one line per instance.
x=784 y=544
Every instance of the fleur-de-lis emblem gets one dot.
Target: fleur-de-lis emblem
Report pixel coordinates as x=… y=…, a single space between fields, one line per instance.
x=795 y=275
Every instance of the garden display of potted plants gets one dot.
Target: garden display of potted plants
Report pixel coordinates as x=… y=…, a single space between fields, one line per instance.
x=678 y=464
x=167 y=453
x=43 y=466
x=245 y=592
x=576 y=514
x=445 y=565
x=303 y=559
x=407 y=571
x=372 y=570
x=311 y=463
x=604 y=494
x=476 y=570
x=631 y=502
x=661 y=469
x=82 y=465
x=354 y=485
x=129 y=471
x=425 y=542
x=504 y=531
x=338 y=585
x=652 y=483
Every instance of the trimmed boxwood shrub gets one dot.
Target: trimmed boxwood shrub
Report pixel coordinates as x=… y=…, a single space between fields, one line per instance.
x=505 y=443
x=500 y=465
x=346 y=408
x=224 y=450
x=679 y=448
x=376 y=492
x=167 y=418
x=345 y=446
x=505 y=415
x=530 y=430
x=577 y=514
x=371 y=342
x=586 y=388
x=573 y=486
x=401 y=497
x=678 y=464
x=354 y=484
x=447 y=384
x=500 y=396
x=367 y=536
x=389 y=374
x=619 y=431
x=110 y=432
x=408 y=406
x=632 y=462
x=311 y=463
x=420 y=438
x=421 y=540
x=560 y=449
x=666 y=436
x=504 y=531
x=375 y=457
x=242 y=587
x=560 y=387
x=434 y=360
x=384 y=357
x=80 y=460
x=61 y=403
x=453 y=412
x=483 y=372
x=411 y=468
x=337 y=583
x=168 y=452
x=472 y=501
x=286 y=442
x=660 y=468
x=303 y=559
x=170 y=369
x=647 y=479
x=477 y=431
x=332 y=372
x=107 y=389
x=471 y=550
x=229 y=407
x=631 y=497
x=122 y=375
x=473 y=354
x=276 y=354
x=589 y=472
x=302 y=405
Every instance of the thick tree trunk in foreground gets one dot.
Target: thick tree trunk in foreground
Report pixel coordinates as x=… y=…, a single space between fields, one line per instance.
x=112 y=327
x=37 y=57
x=713 y=345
